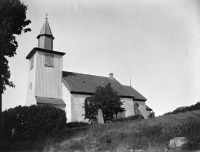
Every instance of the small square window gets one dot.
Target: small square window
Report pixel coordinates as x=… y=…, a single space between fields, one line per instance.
x=49 y=60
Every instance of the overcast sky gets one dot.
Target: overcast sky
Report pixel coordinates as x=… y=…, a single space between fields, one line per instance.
x=154 y=41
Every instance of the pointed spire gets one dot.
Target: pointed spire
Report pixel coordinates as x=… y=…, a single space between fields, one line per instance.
x=46 y=30
x=130 y=80
x=45 y=38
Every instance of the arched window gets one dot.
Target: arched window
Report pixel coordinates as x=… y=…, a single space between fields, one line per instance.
x=136 y=109
x=87 y=104
x=87 y=101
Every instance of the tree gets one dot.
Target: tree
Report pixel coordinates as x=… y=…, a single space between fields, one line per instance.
x=152 y=114
x=12 y=22
x=106 y=99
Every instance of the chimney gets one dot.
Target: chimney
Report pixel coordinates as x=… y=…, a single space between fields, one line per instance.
x=111 y=76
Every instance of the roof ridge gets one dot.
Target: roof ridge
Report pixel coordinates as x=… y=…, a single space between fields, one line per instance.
x=87 y=74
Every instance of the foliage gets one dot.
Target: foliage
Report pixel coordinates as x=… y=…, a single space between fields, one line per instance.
x=145 y=135
x=32 y=122
x=77 y=124
x=106 y=99
x=185 y=109
x=141 y=134
x=130 y=118
x=151 y=115
x=12 y=21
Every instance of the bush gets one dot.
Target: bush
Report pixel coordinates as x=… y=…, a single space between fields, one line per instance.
x=77 y=124
x=130 y=118
x=32 y=122
x=185 y=109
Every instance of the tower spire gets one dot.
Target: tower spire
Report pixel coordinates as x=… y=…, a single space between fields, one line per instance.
x=45 y=38
x=130 y=80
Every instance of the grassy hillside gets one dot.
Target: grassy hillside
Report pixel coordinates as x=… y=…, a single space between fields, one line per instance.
x=130 y=135
x=148 y=134
x=185 y=109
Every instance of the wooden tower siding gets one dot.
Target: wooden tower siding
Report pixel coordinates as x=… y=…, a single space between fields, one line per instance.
x=31 y=82
x=48 y=79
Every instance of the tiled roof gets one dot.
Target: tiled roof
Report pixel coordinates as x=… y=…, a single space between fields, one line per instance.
x=148 y=108
x=138 y=96
x=86 y=84
x=51 y=101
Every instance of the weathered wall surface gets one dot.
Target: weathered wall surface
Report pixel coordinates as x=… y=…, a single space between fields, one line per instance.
x=48 y=79
x=66 y=97
x=148 y=112
x=77 y=103
x=142 y=108
x=128 y=105
x=30 y=99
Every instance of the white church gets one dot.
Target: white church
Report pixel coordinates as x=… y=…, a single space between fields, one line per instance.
x=48 y=84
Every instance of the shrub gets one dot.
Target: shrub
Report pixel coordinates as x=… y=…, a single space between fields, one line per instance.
x=32 y=122
x=185 y=109
x=77 y=124
x=130 y=118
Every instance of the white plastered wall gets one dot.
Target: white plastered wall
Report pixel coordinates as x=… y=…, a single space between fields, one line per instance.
x=66 y=97
x=77 y=110
x=142 y=108
x=128 y=105
x=148 y=112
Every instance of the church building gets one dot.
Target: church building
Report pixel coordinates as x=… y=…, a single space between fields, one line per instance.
x=48 y=84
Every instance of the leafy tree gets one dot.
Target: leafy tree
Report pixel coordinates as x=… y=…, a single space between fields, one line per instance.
x=12 y=22
x=106 y=99
x=152 y=114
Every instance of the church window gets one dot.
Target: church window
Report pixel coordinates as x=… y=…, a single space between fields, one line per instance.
x=32 y=62
x=87 y=104
x=49 y=60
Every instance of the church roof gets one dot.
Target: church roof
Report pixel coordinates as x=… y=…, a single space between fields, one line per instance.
x=51 y=101
x=46 y=30
x=79 y=83
x=148 y=108
x=138 y=96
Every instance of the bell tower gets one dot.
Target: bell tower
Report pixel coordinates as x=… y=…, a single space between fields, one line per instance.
x=45 y=70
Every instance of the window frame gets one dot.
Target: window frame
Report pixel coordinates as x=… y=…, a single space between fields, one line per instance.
x=49 y=60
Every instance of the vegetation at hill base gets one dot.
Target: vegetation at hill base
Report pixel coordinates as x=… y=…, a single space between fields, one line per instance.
x=129 y=135
x=185 y=109
x=32 y=122
x=99 y=100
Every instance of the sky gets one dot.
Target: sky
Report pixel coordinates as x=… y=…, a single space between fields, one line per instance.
x=155 y=42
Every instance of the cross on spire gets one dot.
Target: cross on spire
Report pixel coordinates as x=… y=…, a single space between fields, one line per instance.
x=46 y=15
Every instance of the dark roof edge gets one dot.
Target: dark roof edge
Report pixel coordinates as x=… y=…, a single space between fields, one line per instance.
x=84 y=93
x=90 y=93
x=45 y=35
x=148 y=108
x=66 y=85
x=43 y=50
x=51 y=104
x=139 y=100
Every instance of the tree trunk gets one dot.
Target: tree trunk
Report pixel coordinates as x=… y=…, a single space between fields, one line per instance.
x=1 y=83
x=0 y=116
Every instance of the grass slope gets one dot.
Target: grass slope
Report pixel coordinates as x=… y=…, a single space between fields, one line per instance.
x=145 y=135
x=148 y=135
